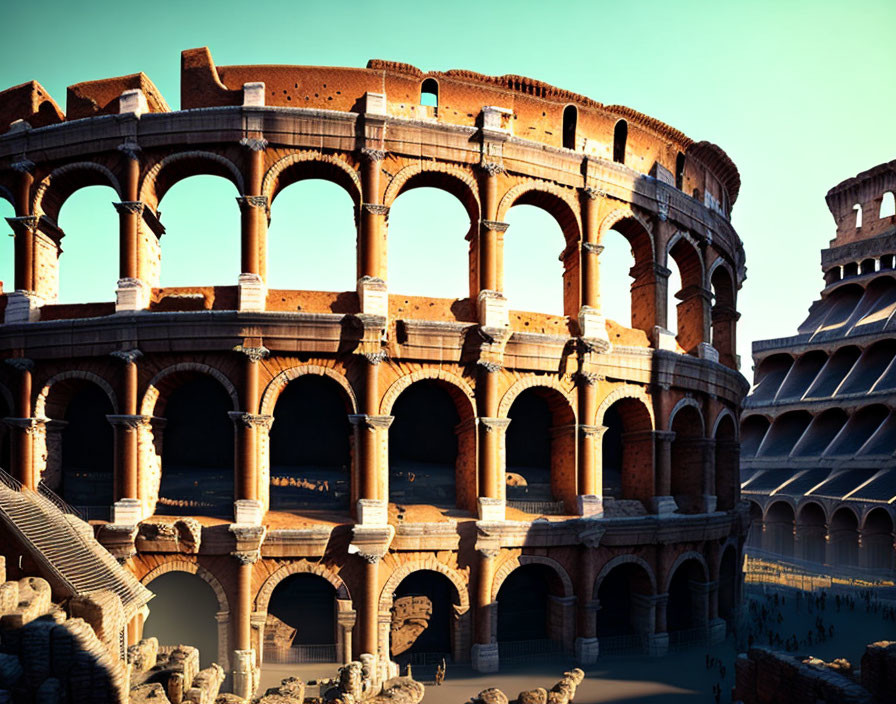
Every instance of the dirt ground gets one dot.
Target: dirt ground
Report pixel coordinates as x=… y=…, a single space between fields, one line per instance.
x=679 y=677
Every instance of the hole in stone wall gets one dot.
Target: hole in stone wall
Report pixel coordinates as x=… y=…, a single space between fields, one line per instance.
x=679 y=171
x=887 y=205
x=88 y=265
x=570 y=117
x=429 y=93
x=620 y=137
x=858 y=209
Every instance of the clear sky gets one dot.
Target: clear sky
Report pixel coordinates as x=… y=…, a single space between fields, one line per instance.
x=800 y=95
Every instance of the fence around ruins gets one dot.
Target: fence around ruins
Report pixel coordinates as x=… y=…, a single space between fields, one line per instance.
x=762 y=567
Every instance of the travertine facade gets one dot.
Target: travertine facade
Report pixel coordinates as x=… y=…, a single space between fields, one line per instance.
x=417 y=484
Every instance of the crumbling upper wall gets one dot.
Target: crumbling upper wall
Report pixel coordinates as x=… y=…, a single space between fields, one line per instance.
x=29 y=102
x=102 y=97
x=863 y=193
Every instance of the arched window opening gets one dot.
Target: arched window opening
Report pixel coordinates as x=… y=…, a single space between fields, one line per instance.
x=860 y=427
x=813 y=532
x=754 y=536
x=786 y=431
x=858 y=209
x=770 y=374
x=688 y=449
x=887 y=205
x=428 y=223
x=201 y=245
x=850 y=269
x=623 y=620
x=724 y=317
x=88 y=264
x=844 y=539
x=184 y=610
x=423 y=620
x=627 y=454
x=88 y=453
x=868 y=266
x=779 y=525
x=620 y=137
x=617 y=262
x=533 y=275
x=429 y=93
x=197 y=457
x=833 y=372
x=803 y=372
x=832 y=276
x=877 y=540
x=727 y=465
x=526 y=619
x=310 y=447
x=539 y=455
x=874 y=362
x=301 y=622
x=679 y=171
x=823 y=428
x=753 y=430
x=729 y=578
x=888 y=261
x=570 y=117
x=7 y=249
x=688 y=606
x=423 y=447
x=312 y=238
x=687 y=288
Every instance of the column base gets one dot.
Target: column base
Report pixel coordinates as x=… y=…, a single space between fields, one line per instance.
x=127 y=512
x=593 y=326
x=493 y=309
x=484 y=657
x=709 y=503
x=657 y=644
x=663 y=505
x=248 y=512
x=22 y=307
x=590 y=505
x=374 y=296
x=253 y=293
x=491 y=509
x=707 y=351
x=132 y=295
x=664 y=339
x=245 y=676
x=372 y=512
x=716 y=631
x=587 y=651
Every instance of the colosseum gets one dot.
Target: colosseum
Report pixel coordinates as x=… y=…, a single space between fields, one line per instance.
x=334 y=473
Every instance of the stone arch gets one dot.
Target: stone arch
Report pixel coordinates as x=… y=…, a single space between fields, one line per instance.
x=404 y=382
x=527 y=383
x=620 y=392
x=693 y=403
x=726 y=412
x=177 y=565
x=312 y=165
x=7 y=195
x=681 y=559
x=432 y=565
x=618 y=215
x=682 y=235
x=846 y=507
x=557 y=201
x=621 y=560
x=720 y=261
x=263 y=597
x=779 y=499
x=67 y=182
x=511 y=564
x=805 y=502
x=41 y=401
x=447 y=177
x=151 y=396
x=215 y=164
x=275 y=387
x=876 y=509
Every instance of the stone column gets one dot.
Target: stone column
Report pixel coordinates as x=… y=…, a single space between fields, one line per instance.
x=129 y=212
x=345 y=621
x=491 y=507
x=253 y=228
x=484 y=654
x=126 y=427
x=372 y=290
x=693 y=314
x=24 y=237
x=591 y=320
x=563 y=612
x=23 y=426
x=663 y=502
x=649 y=296
x=586 y=644
x=656 y=637
x=369 y=612
x=372 y=505
x=708 y=500
x=23 y=304
x=245 y=674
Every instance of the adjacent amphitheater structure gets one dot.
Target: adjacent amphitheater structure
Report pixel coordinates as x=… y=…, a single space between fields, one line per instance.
x=316 y=475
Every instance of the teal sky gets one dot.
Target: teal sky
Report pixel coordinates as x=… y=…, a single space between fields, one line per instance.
x=800 y=95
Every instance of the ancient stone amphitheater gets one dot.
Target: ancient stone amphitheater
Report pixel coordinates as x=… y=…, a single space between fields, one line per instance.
x=304 y=475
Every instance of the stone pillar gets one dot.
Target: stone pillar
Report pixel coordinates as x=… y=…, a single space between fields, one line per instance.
x=492 y=304
x=222 y=618
x=372 y=267
x=591 y=471
x=23 y=426
x=372 y=504
x=649 y=293
x=586 y=644
x=663 y=501
x=369 y=612
x=657 y=637
x=245 y=673
x=484 y=654
x=126 y=427
x=591 y=319
x=562 y=610
x=709 y=500
x=693 y=314
x=345 y=621
x=253 y=229
x=23 y=304
x=24 y=237
x=247 y=507
x=491 y=507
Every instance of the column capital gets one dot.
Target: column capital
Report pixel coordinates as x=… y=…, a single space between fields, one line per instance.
x=371 y=422
x=373 y=154
x=664 y=435
x=593 y=431
x=592 y=248
x=130 y=422
x=252 y=202
x=130 y=149
x=127 y=356
x=589 y=378
x=23 y=165
x=488 y=366
x=21 y=364
x=23 y=223
x=492 y=168
x=594 y=192
x=129 y=207
x=246 y=557
x=255 y=354
x=375 y=358
x=254 y=144
x=29 y=425
x=494 y=425
x=494 y=225
x=250 y=420
x=376 y=208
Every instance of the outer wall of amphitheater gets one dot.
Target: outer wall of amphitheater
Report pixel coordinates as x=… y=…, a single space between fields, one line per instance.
x=626 y=447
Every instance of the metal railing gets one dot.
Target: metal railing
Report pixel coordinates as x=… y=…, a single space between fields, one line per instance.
x=300 y=654
x=524 y=650
x=618 y=645
x=544 y=508
x=687 y=638
x=765 y=567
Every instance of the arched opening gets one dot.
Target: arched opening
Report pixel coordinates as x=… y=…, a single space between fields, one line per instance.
x=834 y=372
x=868 y=266
x=88 y=452
x=423 y=446
x=812 y=532
x=533 y=274
x=874 y=362
x=779 y=525
x=679 y=171
x=197 y=456
x=687 y=611
x=850 y=269
x=627 y=276
x=423 y=619
x=803 y=372
x=729 y=577
x=184 y=610
x=620 y=137
x=570 y=117
x=628 y=452
x=429 y=93
x=724 y=316
x=310 y=445
x=301 y=622
x=754 y=536
x=202 y=241
x=7 y=249
x=859 y=429
x=877 y=539
x=752 y=431
x=770 y=373
x=823 y=428
x=727 y=464
x=624 y=617
x=833 y=275
x=530 y=617
x=784 y=434
x=688 y=290
x=432 y=223
x=887 y=205
x=688 y=450
x=844 y=539
x=312 y=237
x=88 y=264
x=858 y=209
x=540 y=444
